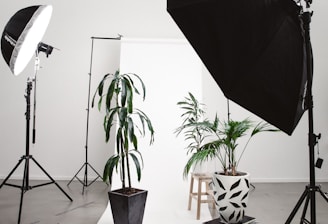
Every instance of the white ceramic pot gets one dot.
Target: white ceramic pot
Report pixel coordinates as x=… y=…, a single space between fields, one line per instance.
x=231 y=196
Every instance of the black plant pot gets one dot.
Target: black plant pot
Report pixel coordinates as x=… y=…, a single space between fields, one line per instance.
x=128 y=208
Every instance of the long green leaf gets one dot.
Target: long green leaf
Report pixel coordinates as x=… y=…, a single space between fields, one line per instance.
x=109 y=95
x=142 y=85
x=137 y=164
x=124 y=90
x=109 y=122
x=111 y=163
x=99 y=90
x=122 y=114
x=143 y=117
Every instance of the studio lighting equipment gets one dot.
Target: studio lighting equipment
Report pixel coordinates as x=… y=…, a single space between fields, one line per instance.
x=47 y=49
x=259 y=53
x=22 y=35
x=85 y=182
x=19 y=42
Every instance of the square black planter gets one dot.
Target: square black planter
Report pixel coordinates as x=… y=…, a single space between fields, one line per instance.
x=128 y=209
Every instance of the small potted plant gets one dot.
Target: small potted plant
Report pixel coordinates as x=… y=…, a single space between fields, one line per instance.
x=230 y=186
x=117 y=92
x=221 y=141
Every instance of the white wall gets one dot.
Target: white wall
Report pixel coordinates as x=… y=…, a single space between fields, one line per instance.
x=62 y=94
x=170 y=69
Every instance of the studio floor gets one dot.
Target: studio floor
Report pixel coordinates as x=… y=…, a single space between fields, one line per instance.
x=269 y=203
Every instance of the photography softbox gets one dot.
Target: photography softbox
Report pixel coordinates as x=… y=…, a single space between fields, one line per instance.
x=255 y=51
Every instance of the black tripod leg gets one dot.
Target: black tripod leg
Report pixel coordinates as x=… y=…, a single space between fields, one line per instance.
x=305 y=208
x=76 y=174
x=323 y=194
x=23 y=188
x=52 y=179
x=85 y=183
x=95 y=170
x=13 y=170
x=85 y=178
x=298 y=205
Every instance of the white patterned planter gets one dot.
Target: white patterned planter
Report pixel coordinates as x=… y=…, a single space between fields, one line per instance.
x=231 y=196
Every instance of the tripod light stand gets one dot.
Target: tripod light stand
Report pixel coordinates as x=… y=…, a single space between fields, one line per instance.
x=85 y=183
x=309 y=194
x=19 y=40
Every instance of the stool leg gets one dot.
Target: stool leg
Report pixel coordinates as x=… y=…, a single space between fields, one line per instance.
x=210 y=195
x=190 y=191
x=199 y=198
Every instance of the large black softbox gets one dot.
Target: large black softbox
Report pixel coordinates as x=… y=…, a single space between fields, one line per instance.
x=255 y=51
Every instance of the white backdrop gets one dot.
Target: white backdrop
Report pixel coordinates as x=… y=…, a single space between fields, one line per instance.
x=170 y=69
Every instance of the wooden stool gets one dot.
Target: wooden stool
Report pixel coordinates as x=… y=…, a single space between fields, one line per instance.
x=201 y=178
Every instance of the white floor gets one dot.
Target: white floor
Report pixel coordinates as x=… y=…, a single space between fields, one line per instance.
x=165 y=216
x=268 y=203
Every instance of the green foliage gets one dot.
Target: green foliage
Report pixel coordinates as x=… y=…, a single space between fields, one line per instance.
x=216 y=139
x=194 y=127
x=126 y=120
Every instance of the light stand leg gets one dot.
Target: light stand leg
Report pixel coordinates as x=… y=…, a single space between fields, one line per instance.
x=324 y=195
x=307 y=200
x=12 y=171
x=23 y=190
x=85 y=183
x=25 y=181
x=53 y=181
x=298 y=205
x=306 y=196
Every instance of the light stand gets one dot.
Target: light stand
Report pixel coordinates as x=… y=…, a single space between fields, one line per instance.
x=27 y=157
x=311 y=189
x=20 y=39
x=85 y=165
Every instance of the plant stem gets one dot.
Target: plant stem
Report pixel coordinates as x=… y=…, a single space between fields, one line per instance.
x=123 y=164
x=128 y=170
x=233 y=170
x=243 y=150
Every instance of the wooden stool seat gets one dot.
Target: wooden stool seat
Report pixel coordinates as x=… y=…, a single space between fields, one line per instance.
x=205 y=178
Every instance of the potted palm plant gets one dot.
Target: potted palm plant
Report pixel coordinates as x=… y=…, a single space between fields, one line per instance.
x=117 y=92
x=221 y=142
x=230 y=186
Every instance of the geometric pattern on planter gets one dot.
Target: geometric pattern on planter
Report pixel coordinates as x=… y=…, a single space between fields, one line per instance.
x=231 y=196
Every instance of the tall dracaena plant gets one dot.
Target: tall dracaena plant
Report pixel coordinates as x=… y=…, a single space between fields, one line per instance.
x=126 y=119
